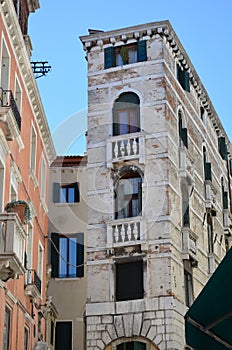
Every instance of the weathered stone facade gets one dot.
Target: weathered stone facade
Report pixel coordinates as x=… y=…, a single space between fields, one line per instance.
x=178 y=134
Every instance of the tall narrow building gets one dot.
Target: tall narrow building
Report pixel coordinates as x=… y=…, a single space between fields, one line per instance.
x=26 y=151
x=159 y=191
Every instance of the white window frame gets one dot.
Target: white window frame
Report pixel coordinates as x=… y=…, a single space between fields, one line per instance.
x=18 y=91
x=6 y=84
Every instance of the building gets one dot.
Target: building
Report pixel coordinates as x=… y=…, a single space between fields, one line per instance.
x=67 y=231
x=159 y=188
x=26 y=151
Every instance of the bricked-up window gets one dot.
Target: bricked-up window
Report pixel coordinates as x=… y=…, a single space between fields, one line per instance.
x=6 y=335
x=66 y=193
x=129 y=281
x=63 y=338
x=126 y=114
x=67 y=255
x=183 y=78
x=132 y=345
x=128 y=196
x=125 y=54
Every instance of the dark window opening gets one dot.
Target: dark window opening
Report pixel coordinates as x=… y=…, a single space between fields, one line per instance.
x=6 y=335
x=132 y=345
x=67 y=255
x=63 y=338
x=210 y=234
x=183 y=78
x=188 y=285
x=202 y=113
x=129 y=281
x=125 y=54
x=224 y=196
x=207 y=166
x=183 y=133
x=126 y=114
x=68 y=193
x=222 y=148
x=128 y=196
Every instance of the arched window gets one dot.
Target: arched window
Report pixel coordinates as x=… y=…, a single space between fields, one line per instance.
x=224 y=195
x=183 y=132
x=132 y=345
x=126 y=114
x=128 y=195
x=185 y=205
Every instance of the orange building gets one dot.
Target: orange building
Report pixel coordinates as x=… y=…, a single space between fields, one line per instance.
x=26 y=151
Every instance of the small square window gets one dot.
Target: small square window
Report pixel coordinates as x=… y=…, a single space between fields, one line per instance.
x=68 y=193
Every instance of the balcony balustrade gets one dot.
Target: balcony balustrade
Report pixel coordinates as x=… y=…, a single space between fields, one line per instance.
x=12 y=246
x=124 y=232
x=125 y=147
x=32 y=284
x=10 y=117
x=189 y=246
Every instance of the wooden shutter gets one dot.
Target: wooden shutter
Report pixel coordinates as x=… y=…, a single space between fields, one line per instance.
x=129 y=281
x=208 y=173
x=80 y=255
x=184 y=136
x=222 y=147
x=56 y=192
x=55 y=254
x=142 y=50
x=109 y=57
x=225 y=199
x=76 y=192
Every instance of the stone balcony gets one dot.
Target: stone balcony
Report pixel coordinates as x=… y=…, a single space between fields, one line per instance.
x=189 y=246
x=32 y=284
x=126 y=232
x=10 y=118
x=12 y=246
x=125 y=147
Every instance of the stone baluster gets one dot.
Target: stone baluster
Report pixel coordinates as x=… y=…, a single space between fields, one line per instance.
x=122 y=149
x=116 y=234
x=134 y=146
x=136 y=232
x=116 y=149
x=129 y=232
x=123 y=233
x=128 y=147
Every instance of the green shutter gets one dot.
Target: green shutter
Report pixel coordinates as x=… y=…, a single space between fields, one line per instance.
x=225 y=199
x=80 y=255
x=184 y=136
x=76 y=193
x=56 y=192
x=183 y=78
x=109 y=57
x=55 y=254
x=208 y=173
x=222 y=147
x=142 y=50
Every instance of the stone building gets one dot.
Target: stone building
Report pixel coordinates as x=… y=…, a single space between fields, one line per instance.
x=26 y=151
x=159 y=194
x=67 y=232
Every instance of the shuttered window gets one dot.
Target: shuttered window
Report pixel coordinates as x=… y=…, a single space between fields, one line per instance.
x=126 y=54
x=66 y=193
x=183 y=78
x=129 y=281
x=222 y=147
x=67 y=255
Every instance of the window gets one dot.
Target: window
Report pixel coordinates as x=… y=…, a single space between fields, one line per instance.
x=183 y=78
x=5 y=68
x=66 y=193
x=188 y=285
x=43 y=179
x=210 y=234
x=6 y=337
x=128 y=196
x=126 y=54
x=183 y=132
x=18 y=95
x=207 y=166
x=40 y=262
x=26 y=338
x=222 y=148
x=33 y=151
x=185 y=205
x=67 y=255
x=224 y=196
x=63 y=338
x=132 y=345
x=126 y=118
x=202 y=114
x=129 y=281
x=1 y=185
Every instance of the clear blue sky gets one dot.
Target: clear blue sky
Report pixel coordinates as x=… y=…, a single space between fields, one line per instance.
x=204 y=28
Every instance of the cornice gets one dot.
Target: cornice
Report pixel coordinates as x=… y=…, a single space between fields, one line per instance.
x=166 y=32
x=15 y=35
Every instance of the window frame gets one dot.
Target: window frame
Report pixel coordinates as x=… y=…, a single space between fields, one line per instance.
x=33 y=150
x=57 y=188
x=7 y=329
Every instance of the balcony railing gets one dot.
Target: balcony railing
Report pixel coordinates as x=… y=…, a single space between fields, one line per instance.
x=12 y=243
x=127 y=231
x=189 y=245
x=7 y=103
x=32 y=284
x=125 y=147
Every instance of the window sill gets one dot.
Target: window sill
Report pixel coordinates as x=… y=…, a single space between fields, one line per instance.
x=67 y=279
x=65 y=204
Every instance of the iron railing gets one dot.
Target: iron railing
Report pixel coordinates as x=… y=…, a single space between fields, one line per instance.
x=7 y=100
x=33 y=279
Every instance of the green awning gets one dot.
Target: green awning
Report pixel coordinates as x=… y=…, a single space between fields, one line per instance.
x=208 y=322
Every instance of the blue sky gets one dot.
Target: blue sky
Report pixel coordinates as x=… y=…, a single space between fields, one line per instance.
x=203 y=27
